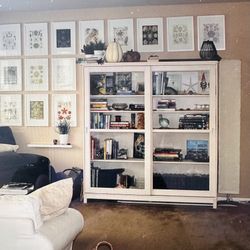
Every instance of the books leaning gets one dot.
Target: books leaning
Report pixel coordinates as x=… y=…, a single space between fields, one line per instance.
x=14 y=188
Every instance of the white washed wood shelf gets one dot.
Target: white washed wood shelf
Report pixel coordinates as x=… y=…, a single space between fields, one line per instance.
x=41 y=145
x=174 y=164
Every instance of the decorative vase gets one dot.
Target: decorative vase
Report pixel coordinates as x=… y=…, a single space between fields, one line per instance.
x=63 y=139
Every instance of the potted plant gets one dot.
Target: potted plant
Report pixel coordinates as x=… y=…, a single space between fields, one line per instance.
x=63 y=125
x=91 y=47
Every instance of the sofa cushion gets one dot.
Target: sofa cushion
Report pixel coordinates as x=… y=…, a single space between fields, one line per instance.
x=8 y=147
x=55 y=198
x=21 y=207
x=6 y=135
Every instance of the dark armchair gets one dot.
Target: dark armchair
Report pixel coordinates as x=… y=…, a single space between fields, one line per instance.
x=22 y=167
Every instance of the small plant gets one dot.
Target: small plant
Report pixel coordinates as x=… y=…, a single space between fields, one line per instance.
x=63 y=124
x=89 y=48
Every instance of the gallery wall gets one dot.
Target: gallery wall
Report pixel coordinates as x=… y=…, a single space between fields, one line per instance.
x=237 y=45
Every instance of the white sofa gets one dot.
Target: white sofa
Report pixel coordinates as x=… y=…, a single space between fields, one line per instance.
x=32 y=222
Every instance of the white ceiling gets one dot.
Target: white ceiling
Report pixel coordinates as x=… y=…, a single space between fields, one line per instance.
x=38 y=5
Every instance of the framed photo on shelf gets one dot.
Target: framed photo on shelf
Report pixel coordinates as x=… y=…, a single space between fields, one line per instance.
x=123 y=83
x=64 y=102
x=36 y=39
x=149 y=34
x=180 y=33
x=63 y=74
x=139 y=145
x=11 y=110
x=10 y=37
x=63 y=38
x=10 y=75
x=36 y=110
x=122 y=31
x=91 y=31
x=36 y=74
x=212 y=28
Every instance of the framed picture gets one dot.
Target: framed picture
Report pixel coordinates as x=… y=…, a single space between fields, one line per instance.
x=63 y=74
x=122 y=31
x=190 y=83
x=36 y=74
x=149 y=34
x=11 y=110
x=61 y=102
x=123 y=83
x=139 y=145
x=35 y=39
x=36 y=110
x=91 y=31
x=180 y=33
x=212 y=28
x=10 y=75
x=63 y=38
x=10 y=37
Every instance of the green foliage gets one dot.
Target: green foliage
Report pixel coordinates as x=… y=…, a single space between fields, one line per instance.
x=89 y=48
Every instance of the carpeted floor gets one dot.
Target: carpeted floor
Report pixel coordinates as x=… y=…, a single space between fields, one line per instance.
x=163 y=227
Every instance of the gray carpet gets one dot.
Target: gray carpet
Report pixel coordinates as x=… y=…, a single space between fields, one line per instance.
x=163 y=227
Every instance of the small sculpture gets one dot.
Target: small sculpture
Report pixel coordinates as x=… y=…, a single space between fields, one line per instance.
x=164 y=122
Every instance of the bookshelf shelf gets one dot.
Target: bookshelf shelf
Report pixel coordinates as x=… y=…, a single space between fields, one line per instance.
x=170 y=147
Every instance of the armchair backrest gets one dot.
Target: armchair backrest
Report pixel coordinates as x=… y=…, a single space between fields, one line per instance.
x=6 y=135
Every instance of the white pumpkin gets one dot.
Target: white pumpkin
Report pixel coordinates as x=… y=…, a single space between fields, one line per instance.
x=114 y=52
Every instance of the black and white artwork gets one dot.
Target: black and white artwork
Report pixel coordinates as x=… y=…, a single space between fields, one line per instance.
x=36 y=39
x=212 y=28
x=180 y=34
x=10 y=41
x=150 y=34
x=122 y=31
x=10 y=75
x=63 y=38
x=91 y=32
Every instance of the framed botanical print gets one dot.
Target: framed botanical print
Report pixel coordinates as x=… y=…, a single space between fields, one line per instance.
x=36 y=74
x=11 y=110
x=149 y=34
x=63 y=38
x=10 y=75
x=91 y=31
x=63 y=74
x=10 y=37
x=122 y=31
x=35 y=38
x=61 y=102
x=36 y=110
x=180 y=33
x=212 y=28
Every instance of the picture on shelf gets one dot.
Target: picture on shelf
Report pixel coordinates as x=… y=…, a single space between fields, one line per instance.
x=123 y=83
x=139 y=145
x=98 y=84
x=197 y=150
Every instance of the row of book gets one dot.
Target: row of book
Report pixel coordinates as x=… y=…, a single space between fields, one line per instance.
x=103 y=121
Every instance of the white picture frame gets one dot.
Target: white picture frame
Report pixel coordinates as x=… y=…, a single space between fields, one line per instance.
x=10 y=75
x=122 y=31
x=36 y=74
x=91 y=31
x=11 y=110
x=36 y=110
x=63 y=74
x=63 y=41
x=35 y=39
x=180 y=33
x=10 y=37
x=59 y=101
x=212 y=28
x=150 y=34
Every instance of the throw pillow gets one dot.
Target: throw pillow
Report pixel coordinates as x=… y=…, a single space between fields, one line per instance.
x=55 y=198
x=8 y=148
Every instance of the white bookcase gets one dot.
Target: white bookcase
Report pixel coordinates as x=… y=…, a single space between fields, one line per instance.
x=151 y=131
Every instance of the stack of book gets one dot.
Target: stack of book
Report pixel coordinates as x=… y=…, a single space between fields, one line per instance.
x=120 y=125
x=98 y=104
x=16 y=189
x=167 y=154
x=166 y=104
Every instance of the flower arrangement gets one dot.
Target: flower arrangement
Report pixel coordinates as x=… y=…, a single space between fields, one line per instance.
x=63 y=124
